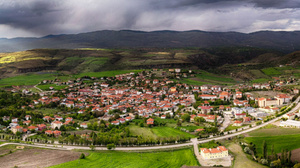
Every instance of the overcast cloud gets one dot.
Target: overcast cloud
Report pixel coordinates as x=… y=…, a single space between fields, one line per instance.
x=20 y=18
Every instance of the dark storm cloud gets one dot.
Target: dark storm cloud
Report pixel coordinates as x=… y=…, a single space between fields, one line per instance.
x=42 y=17
x=258 y=3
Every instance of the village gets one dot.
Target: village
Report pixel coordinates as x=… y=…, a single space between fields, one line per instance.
x=90 y=106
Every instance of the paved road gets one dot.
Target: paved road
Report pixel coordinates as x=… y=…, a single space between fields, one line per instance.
x=225 y=123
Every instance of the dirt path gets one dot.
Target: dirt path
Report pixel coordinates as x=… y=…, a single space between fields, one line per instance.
x=241 y=159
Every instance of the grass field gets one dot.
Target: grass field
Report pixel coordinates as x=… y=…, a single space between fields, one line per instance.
x=282 y=138
x=29 y=79
x=33 y=79
x=170 y=132
x=191 y=128
x=260 y=80
x=47 y=111
x=241 y=159
x=106 y=73
x=280 y=142
x=143 y=131
x=193 y=82
x=212 y=77
x=258 y=73
x=230 y=128
x=272 y=130
x=271 y=72
x=46 y=87
x=172 y=159
x=157 y=132
x=210 y=144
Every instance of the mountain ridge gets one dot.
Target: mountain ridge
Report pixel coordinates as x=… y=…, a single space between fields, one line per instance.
x=284 y=41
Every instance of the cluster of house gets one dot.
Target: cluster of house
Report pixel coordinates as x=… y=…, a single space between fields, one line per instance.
x=146 y=97
x=214 y=153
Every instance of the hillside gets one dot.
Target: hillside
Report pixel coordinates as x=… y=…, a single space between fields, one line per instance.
x=281 y=41
x=221 y=60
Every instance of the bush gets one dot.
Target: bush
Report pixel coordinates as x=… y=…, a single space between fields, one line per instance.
x=111 y=146
x=264 y=161
x=82 y=156
x=247 y=150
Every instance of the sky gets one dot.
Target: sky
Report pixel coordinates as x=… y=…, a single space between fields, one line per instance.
x=36 y=18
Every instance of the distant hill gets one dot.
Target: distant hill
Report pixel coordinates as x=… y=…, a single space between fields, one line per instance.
x=281 y=41
x=224 y=60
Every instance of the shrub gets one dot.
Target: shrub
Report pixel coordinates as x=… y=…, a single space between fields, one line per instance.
x=111 y=146
x=82 y=156
x=247 y=150
x=264 y=161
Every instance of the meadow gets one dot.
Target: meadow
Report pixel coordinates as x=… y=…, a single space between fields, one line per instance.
x=55 y=87
x=260 y=80
x=28 y=79
x=231 y=127
x=35 y=78
x=282 y=138
x=106 y=73
x=204 y=78
x=155 y=132
x=172 y=159
x=271 y=71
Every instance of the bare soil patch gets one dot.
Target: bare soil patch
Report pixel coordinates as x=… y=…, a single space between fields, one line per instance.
x=267 y=94
x=29 y=158
x=4 y=151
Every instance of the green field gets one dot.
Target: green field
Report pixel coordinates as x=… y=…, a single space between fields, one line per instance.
x=172 y=159
x=143 y=131
x=29 y=79
x=170 y=132
x=258 y=73
x=46 y=87
x=272 y=130
x=260 y=80
x=212 y=77
x=106 y=73
x=282 y=138
x=280 y=142
x=210 y=144
x=158 y=132
x=33 y=79
x=83 y=64
x=271 y=71
x=193 y=82
x=231 y=127
x=191 y=128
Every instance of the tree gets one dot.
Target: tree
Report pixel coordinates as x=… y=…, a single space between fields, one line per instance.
x=274 y=155
x=283 y=157
x=264 y=150
x=290 y=156
x=216 y=121
x=82 y=156
x=186 y=117
x=111 y=146
x=178 y=123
